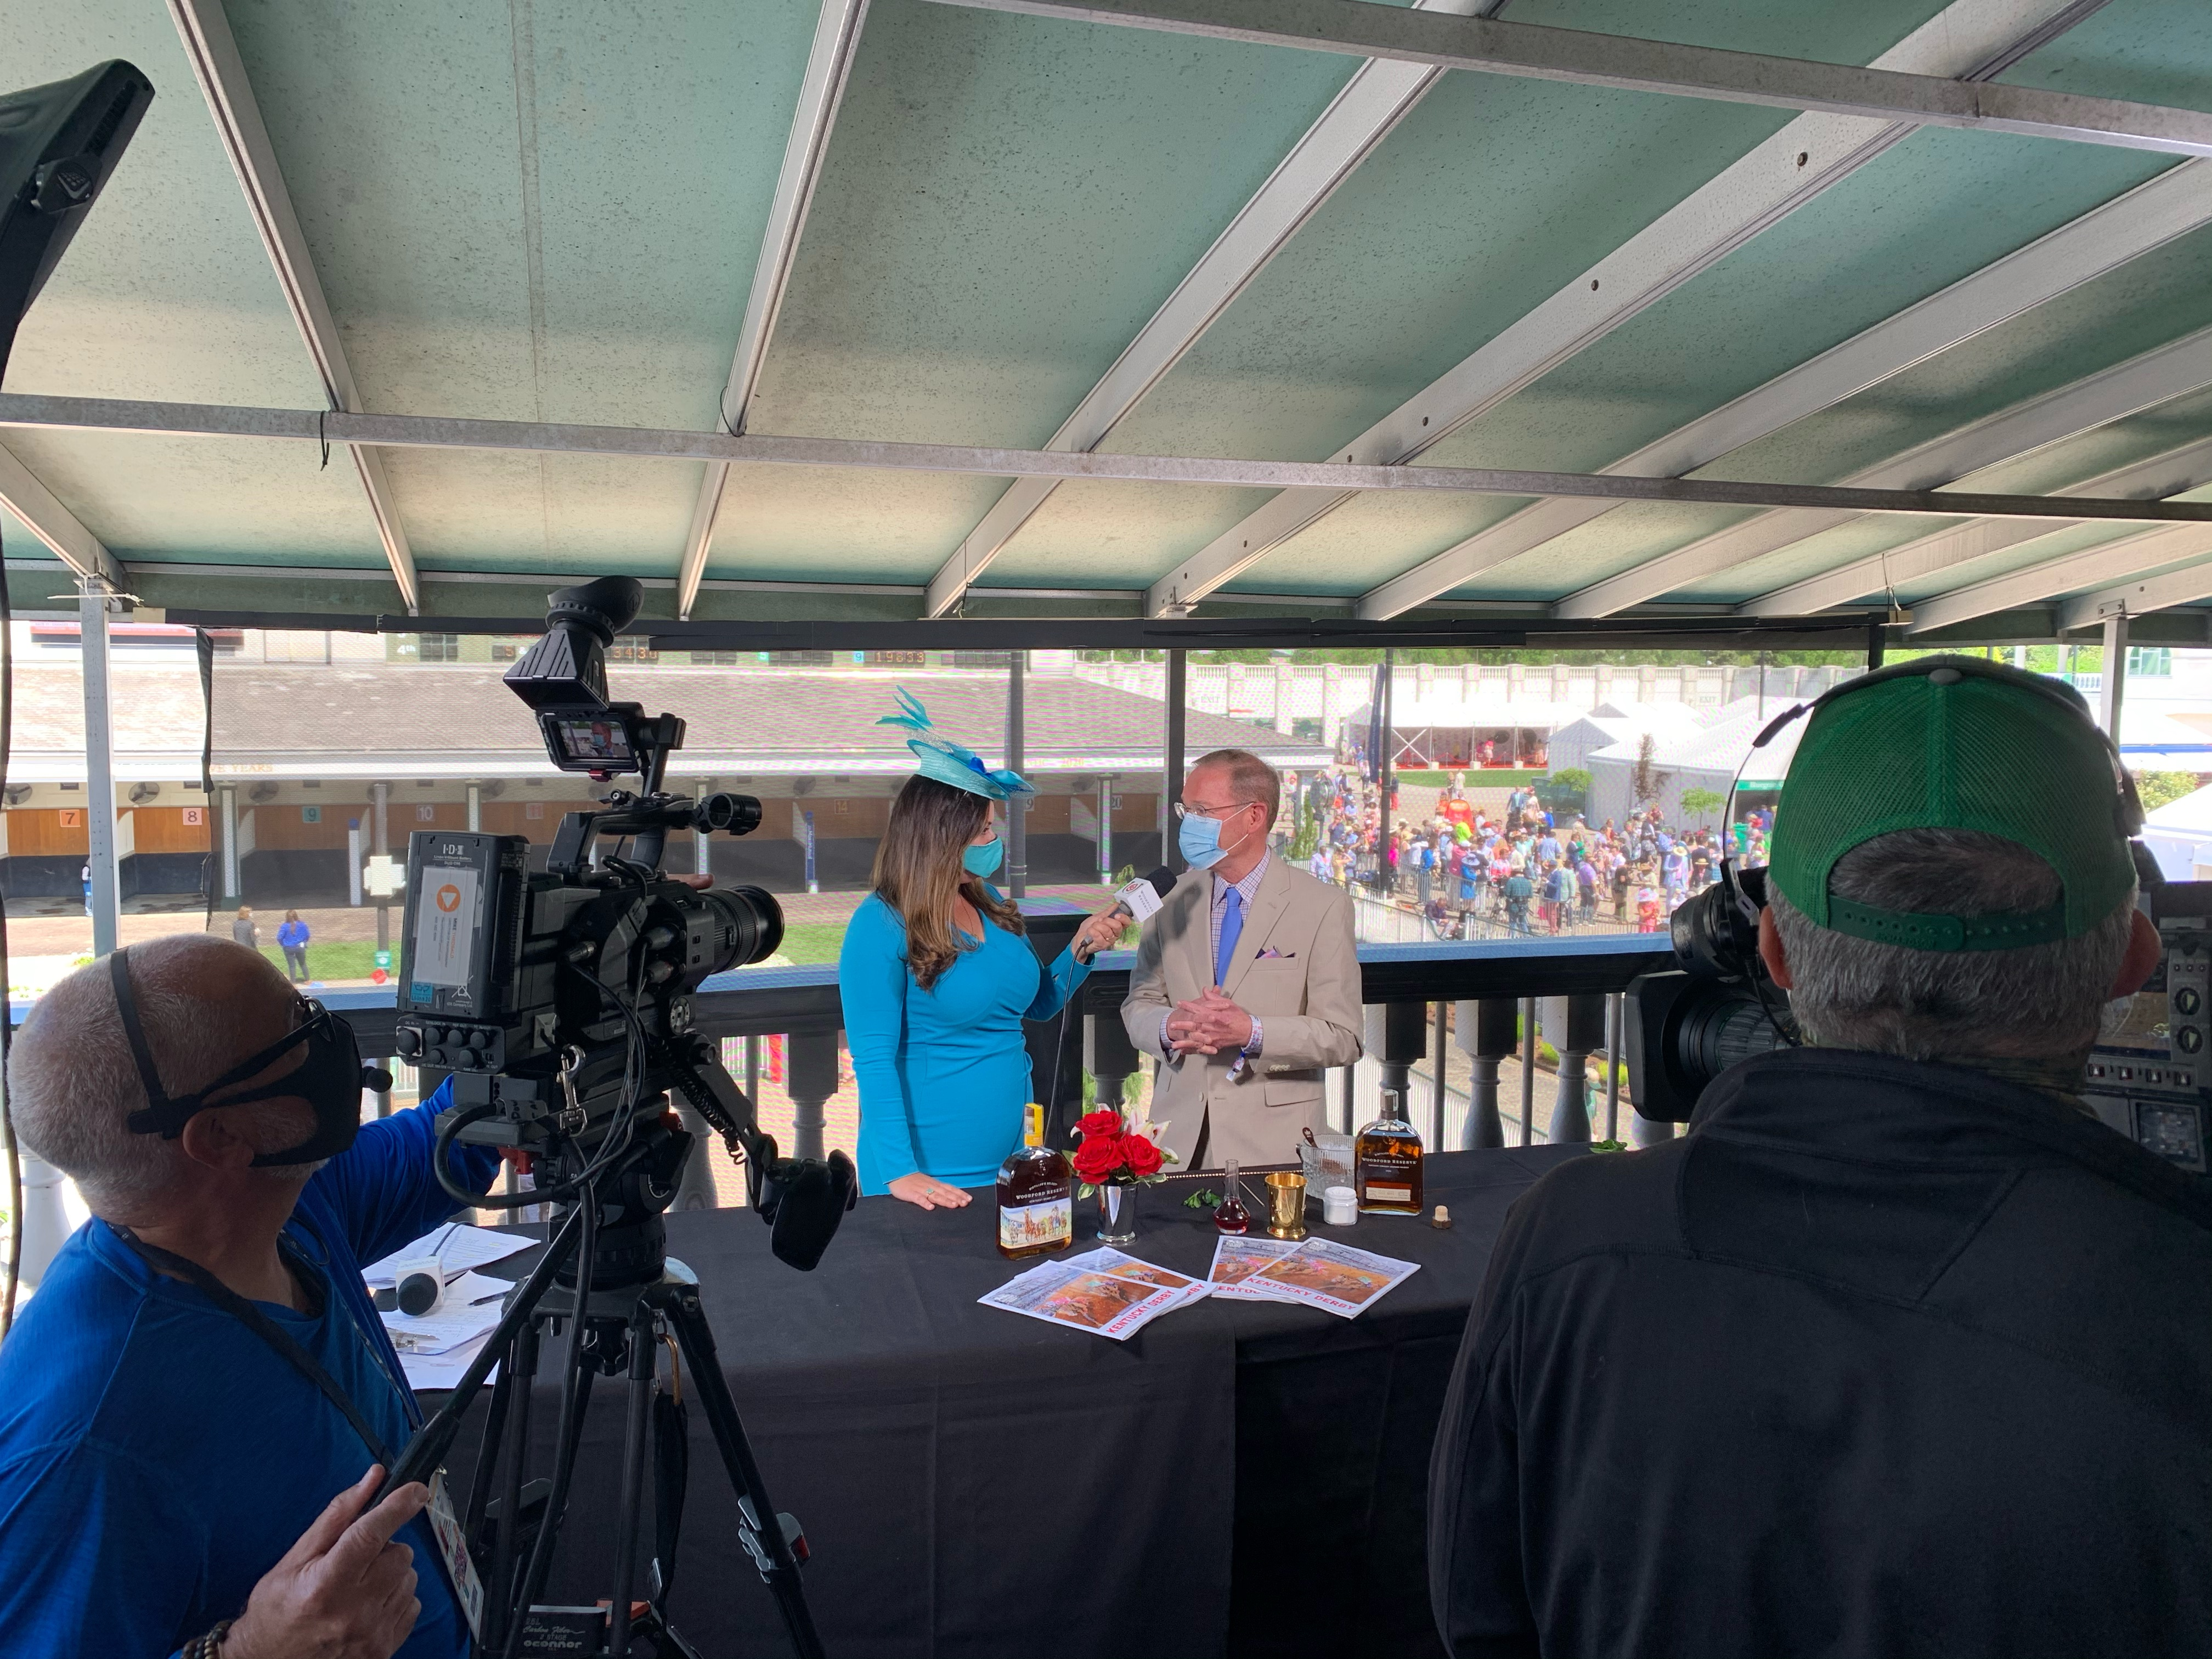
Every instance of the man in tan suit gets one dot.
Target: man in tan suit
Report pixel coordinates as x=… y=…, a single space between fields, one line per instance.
x=1247 y=984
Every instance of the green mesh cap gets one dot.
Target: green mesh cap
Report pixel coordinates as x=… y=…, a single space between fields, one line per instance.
x=1960 y=744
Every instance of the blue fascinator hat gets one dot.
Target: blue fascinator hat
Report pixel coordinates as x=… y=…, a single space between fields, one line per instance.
x=948 y=763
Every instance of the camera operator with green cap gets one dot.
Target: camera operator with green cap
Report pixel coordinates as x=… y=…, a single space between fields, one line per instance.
x=1900 y=1351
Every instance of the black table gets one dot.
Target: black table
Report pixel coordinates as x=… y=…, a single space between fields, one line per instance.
x=1237 y=1478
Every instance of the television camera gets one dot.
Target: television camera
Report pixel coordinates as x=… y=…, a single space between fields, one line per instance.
x=559 y=1000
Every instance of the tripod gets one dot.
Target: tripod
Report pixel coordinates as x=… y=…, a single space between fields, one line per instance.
x=606 y=1278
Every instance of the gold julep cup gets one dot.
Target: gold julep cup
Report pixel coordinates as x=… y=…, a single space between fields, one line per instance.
x=1286 y=1204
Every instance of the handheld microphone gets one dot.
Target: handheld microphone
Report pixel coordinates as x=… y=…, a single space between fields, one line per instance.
x=1140 y=900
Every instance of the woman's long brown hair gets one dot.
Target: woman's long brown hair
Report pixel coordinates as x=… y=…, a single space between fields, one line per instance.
x=918 y=871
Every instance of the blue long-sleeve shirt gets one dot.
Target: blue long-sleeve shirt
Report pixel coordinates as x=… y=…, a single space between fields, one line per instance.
x=292 y=935
x=943 y=1073
x=157 y=1457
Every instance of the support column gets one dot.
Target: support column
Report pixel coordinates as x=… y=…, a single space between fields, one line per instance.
x=1528 y=1070
x=474 y=794
x=46 y=1226
x=106 y=902
x=703 y=853
x=1615 y=1016
x=1439 y=1052
x=1018 y=828
x=380 y=841
x=1384 y=770
x=812 y=1069
x=228 y=799
x=2113 y=686
x=1105 y=828
x=1485 y=1036
x=1396 y=1034
x=1171 y=770
x=353 y=867
x=1576 y=1027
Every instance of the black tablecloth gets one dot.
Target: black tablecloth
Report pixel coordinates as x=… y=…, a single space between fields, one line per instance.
x=1237 y=1478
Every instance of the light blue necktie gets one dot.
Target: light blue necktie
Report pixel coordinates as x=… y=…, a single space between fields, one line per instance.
x=1232 y=928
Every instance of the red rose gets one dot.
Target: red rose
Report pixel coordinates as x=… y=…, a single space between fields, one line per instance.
x=1099 y=1123
x=1144 y=1157
x=1098 y=1156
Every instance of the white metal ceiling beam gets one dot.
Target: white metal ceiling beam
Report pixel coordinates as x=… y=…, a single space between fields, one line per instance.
x=2175 y=472
x=2157 y=376
x=1970 y=37
x=660 y=444
x=1538 y=52
x=829 y=64
x=2177 y=200
x=222 y=76
x=2102 y=563
x=1377 y=97
x=2139 y=598
x=61 y=530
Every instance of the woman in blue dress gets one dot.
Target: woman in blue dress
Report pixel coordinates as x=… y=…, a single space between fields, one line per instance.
x=937 y=977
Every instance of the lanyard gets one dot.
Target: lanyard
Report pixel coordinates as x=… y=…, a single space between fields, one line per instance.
x=266 y=1328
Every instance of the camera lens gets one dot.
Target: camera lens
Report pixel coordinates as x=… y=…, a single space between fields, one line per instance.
x=752 y=922
x=734 y=815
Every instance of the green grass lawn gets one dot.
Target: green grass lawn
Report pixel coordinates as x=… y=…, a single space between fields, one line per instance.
x=1478 y=777
x=810 y=942
x=343 y=958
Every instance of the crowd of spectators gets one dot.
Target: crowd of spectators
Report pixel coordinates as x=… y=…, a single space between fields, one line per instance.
x=1533 y=870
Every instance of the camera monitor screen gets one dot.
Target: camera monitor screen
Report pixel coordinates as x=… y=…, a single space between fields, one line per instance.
x=596 y=741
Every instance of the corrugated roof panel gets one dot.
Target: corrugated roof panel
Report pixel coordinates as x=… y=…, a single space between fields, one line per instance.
x=1492 y=194
x=1858 y=253
x=2181 y=420
x=2153 y=299
x=547 y=211
x=211 y=501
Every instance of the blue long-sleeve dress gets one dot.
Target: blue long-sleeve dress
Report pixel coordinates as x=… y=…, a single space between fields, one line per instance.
x=943 y=1073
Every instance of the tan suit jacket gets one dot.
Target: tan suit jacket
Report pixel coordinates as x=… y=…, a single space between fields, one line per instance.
x=1306 y=997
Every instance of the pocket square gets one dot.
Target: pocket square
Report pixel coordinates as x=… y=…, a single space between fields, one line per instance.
x=1271 y=954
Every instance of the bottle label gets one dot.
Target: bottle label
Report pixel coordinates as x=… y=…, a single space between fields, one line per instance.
x=1024 y=1226
x=1379 y=1194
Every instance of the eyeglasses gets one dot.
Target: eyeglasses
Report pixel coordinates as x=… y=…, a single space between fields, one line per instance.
x=1183 y=811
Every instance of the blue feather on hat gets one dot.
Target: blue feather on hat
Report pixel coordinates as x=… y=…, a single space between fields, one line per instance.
x=948 y=763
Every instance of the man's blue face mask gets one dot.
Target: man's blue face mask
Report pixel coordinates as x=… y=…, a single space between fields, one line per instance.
x=1198 y=839
x=983 y=861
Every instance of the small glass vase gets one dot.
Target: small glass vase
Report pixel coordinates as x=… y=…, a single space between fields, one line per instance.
x=1117 y=1213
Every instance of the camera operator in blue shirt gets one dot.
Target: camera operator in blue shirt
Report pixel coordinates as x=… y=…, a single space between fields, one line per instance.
x=195 y=1408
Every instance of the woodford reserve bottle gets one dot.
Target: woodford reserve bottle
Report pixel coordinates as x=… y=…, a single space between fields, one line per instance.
x=1036 y=1207
x=1386 y=1161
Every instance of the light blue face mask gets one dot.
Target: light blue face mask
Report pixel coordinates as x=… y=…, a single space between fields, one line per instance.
x=983 y=861
x=1200 y=840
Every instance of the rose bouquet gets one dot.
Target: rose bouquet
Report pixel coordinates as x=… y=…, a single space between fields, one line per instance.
x=1116 y=1152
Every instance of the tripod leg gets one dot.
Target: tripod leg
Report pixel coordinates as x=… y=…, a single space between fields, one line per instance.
x=495 y=1436
x=574 y=1408
x=779 y=1566
x=644 y=1359
x=499 y=1589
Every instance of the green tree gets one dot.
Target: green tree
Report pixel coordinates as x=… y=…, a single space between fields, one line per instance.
x=1566 y=790
x=1703 y=803
x=2157 y=788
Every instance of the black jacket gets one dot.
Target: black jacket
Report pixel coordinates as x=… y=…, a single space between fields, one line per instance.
x=1883 y=1359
